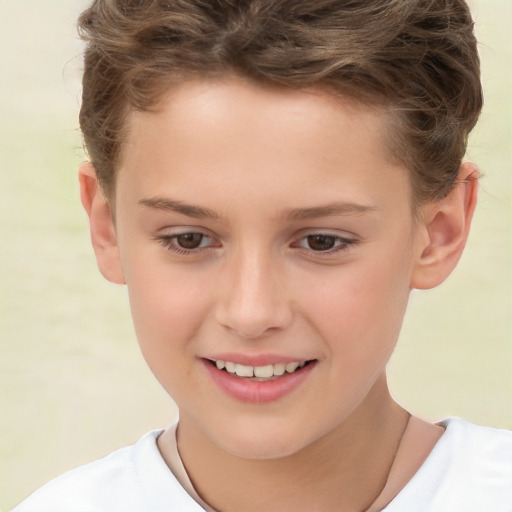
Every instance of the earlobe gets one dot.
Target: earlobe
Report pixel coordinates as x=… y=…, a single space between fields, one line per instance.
x=103 y=235
x=445 y=226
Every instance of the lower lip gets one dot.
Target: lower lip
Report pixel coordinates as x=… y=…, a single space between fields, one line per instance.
x=257 y=392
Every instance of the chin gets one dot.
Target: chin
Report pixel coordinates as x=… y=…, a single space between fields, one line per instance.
x=263 y=449
x=263 y=442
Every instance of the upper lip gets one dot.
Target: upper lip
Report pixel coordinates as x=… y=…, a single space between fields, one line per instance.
x=256 y=360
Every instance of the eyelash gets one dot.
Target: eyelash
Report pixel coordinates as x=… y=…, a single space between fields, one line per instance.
x=344 y=244
x=169 y=243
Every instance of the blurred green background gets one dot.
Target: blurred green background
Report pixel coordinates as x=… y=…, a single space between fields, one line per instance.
x=73 y=385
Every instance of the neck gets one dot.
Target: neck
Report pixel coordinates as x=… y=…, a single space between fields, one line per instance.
x=344 y=470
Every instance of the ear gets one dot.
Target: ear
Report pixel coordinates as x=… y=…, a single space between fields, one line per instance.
x=103 y=234
x=445 y=225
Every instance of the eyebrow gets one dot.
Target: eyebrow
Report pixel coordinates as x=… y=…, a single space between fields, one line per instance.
x=328 y=210
x=197 y=212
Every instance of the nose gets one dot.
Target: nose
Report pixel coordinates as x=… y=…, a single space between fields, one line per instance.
x=253 y=298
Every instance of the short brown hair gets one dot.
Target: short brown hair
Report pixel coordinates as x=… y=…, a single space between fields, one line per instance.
x=416 y=58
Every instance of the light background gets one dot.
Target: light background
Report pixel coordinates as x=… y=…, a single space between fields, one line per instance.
x=73 y=385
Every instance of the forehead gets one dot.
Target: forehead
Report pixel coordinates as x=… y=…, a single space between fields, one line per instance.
x=238 y=134
x=197 y=103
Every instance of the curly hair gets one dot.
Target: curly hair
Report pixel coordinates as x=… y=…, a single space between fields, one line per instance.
x=417 y=59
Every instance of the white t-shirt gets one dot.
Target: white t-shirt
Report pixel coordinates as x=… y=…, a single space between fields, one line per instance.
x=469 y=470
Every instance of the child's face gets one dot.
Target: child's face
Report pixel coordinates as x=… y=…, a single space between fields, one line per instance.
x=259 y=227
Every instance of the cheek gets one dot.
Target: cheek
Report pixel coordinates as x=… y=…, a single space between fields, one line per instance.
x=359 y=310
x=168 y=307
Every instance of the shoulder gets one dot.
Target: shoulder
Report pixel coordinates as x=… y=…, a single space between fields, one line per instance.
x=133 y=478
x=476 y=450
x=93 y=486
x=469 y=469
x=464 y=429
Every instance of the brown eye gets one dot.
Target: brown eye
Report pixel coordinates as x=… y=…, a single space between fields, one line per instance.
x=321 y=242
x=191 y=243
x=189 y=240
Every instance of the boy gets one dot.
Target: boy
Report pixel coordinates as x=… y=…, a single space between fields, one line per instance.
x=270 y=180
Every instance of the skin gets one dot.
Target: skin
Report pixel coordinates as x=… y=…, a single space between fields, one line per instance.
x=264 y=163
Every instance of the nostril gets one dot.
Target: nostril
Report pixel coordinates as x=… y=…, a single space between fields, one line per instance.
x=249 y=333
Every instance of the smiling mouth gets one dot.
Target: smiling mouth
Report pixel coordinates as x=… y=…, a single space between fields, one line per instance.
x=260 y=373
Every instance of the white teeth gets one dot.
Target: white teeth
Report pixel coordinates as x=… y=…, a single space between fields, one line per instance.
x=260 y=372
x=264 y=371
x=244 y=371
x=291 y=367
x=279 y=369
